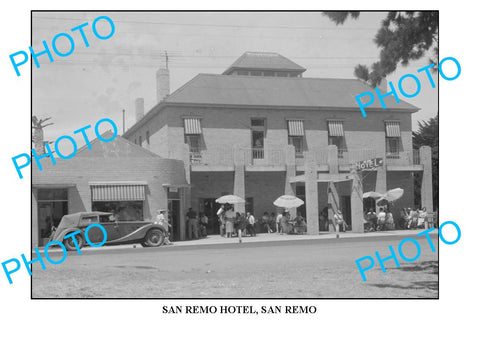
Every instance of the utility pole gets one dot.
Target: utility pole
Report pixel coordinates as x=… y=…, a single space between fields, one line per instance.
x=166 y=60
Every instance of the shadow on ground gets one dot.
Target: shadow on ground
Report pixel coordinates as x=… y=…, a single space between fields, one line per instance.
x=426 y=267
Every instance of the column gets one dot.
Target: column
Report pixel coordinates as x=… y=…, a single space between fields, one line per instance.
x=333 y=205
x=381 y=183
x=290 y=172
x=311 y=193
x=356 y=202
x=185 y=193
x=332 y=195
x=427 y=180
x=239 y=180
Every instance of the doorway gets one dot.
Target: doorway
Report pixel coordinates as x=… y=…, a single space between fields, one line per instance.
x=174 y=218
x=210 y=208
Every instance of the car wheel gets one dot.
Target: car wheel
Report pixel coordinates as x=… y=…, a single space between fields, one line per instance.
x=70 y=245
x=154 y=238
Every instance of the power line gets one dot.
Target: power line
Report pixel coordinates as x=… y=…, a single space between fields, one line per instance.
x=219 y=25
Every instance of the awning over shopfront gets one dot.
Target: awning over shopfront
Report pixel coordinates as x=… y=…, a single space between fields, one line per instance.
x=323 y=178
x=335 y=128
x=118 y=191
x=192 y=126
x=392 y=128
x=295 y=128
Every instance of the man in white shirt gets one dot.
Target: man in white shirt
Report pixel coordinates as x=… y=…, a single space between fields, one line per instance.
x=278 y=220
x=251 y=224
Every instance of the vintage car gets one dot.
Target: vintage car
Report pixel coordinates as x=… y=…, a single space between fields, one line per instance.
x=118 y=232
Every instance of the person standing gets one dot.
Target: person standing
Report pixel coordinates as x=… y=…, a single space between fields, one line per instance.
x=221 y=219
x=229 y=220
x=251 y=224
x=161 y=221
x=339 y=222
x=192 y=224
x=278 y=222
x=422 y=215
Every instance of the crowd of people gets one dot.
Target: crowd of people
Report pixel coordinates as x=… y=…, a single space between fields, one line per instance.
x=384 y=220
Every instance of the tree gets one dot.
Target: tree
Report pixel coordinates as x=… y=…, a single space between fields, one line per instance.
x=427 y=134
x=402 y=37
x=38 y=141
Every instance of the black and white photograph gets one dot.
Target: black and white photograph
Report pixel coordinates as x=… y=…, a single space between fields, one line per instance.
x=235 y=170
x=228 y=157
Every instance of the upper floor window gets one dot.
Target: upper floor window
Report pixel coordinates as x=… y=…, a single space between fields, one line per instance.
x=296 y=136
x=258 y=137
x=147 y=137
x=392 y=139
x=336 y=136
x=268 y=73
x=193 y=133
x=140 y=140
x=256 y=73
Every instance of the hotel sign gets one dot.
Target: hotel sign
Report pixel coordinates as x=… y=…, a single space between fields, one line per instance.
x=369 y=164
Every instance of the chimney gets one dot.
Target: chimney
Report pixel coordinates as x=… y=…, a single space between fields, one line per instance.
x=139 y=108
x=163 y=84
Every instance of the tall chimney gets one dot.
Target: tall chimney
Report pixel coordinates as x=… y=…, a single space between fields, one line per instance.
x=139 y=108
x=163 y=84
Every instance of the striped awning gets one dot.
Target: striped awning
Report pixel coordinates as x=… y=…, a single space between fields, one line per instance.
x=115 y=191
x=335 y=128
x=295 y=128
x=392 y=129
x=192 y=126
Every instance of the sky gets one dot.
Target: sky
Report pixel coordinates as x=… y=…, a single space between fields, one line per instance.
x=103 y=79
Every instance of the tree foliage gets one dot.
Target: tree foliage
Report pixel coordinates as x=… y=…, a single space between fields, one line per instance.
x=402 y=37
x=427 y=134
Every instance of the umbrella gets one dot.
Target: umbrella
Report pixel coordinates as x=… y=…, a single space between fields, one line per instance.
x=288 y=202
x=372 y=194
x=232 y=199
x=390 y=196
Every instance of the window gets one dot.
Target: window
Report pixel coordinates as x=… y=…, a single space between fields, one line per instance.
x=296 y=136
x=393 y=147
x=336 y=136
x=140 y=140
x=256 y=73
x=242 y=73
x=53 y=194
x=193 y=142
x=122 y=210
x=258 y=136
x=282 y=74
x=268 y=73
x=297 y=142
x=193 y=133
x=147 y=137
x=392 y=139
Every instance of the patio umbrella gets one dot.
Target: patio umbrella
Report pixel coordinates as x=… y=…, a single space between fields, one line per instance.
x=288 y=202
x=232 y=199
x=390 y=196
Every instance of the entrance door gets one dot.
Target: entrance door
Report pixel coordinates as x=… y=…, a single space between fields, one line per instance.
x=174 y=218
x=49 y=214
x=210 y=208
x=347 y=211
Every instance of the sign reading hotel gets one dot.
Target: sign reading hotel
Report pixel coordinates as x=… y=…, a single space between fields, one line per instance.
x=369 y=164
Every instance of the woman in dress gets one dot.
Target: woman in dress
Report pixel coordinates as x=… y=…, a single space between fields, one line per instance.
x=229 y=220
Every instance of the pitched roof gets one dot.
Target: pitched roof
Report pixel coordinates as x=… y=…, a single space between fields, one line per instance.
x=212 y=89
x=264 y=61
